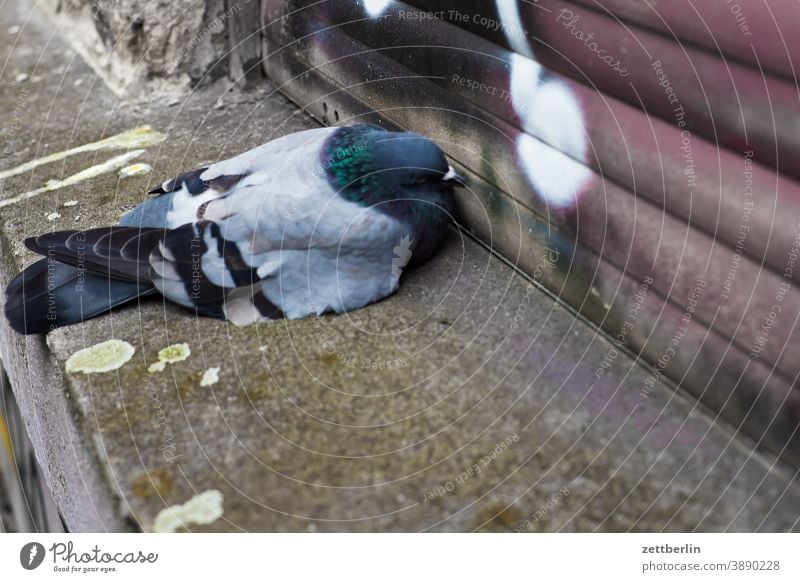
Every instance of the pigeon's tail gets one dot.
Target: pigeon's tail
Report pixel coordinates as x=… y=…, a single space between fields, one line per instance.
x=49 y=294
x=78 y=280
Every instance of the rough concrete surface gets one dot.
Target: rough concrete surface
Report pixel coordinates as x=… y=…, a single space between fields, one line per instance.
x=467 y=401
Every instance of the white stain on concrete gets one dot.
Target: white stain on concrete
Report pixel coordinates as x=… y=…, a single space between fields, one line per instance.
x=157 y=367
x=103 y=357
x=210 y=377
x=201 y=509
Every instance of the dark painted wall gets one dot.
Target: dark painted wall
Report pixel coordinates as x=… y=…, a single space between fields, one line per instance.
x=651 y=150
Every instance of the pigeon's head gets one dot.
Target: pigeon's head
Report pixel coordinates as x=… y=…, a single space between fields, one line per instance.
x=370 y=165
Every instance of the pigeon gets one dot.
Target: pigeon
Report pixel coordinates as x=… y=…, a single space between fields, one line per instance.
x=318 y=221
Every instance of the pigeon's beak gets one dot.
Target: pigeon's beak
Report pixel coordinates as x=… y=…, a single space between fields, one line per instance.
x=454 y=178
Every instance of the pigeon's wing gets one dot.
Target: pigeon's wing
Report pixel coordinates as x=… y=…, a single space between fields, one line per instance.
x=312 y=250
x=223 y=175
x=169 y=259
x=116 y=252
x=183 y=199
x=276 y=156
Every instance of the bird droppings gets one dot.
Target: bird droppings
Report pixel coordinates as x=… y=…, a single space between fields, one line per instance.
x=140 y=169
x=170 y=355
x=157 y=367
x=174 y=353
x=69 y=203
x=210 y=377
x=103 y=357
x=53 y=216
x=21 y=77
x=201 y=509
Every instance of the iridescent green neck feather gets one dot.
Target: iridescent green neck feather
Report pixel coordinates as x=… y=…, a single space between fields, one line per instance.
x=396 y=173
x=349 y=161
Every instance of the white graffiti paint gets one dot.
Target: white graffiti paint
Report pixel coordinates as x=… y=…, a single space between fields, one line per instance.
x=508 y=12
x=547 y=108
x=376 y=7
x=552 y=119
x=556 y=176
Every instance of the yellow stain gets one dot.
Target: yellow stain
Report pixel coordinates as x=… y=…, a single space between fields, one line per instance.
x=174 y=353
x=6 y=436
x=170 y=355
